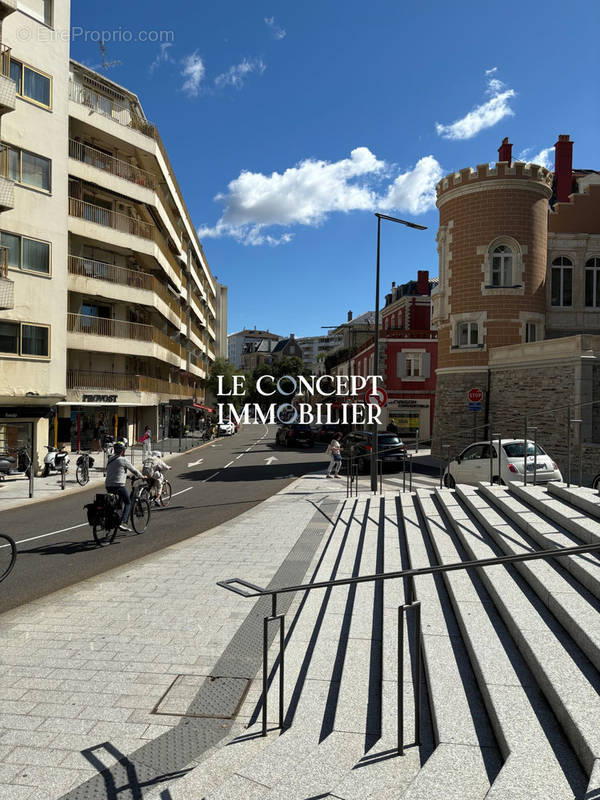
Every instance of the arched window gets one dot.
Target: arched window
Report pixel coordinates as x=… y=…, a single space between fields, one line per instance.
x=502 y=266
x=592 y=283
x=562 y=282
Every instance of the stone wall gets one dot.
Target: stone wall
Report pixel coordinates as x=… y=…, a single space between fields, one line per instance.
x=453 y=422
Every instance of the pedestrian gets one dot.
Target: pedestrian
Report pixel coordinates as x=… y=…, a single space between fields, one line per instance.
x=334 y=452
x=146 y=442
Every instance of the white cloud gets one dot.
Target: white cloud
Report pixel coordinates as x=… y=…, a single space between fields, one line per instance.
x=236 y=75
x=193 y=71
x=544 y=158
x=484 y=115
x=308 y=192
x=162 y=56
x=278 y=33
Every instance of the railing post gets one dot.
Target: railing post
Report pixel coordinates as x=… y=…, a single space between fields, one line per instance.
x=525 y=455
x=265 y=676
x=416 y=607
x=410 y=475
x=569 y=445
x=417 y=442
x=441 y=463
x=31 y=483
x=535 y=456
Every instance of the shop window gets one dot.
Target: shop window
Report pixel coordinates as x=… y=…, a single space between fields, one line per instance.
x=31 y=84
x=562 y=282
x=27 y=254
x=592 y=283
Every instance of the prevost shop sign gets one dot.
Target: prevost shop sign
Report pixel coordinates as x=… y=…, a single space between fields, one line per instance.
x=100 y=398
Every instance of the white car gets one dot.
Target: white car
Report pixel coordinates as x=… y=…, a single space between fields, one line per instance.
x=226 y=428
x=473 y=464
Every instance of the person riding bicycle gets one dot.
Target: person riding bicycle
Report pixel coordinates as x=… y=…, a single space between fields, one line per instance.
x=154 y=467
x=117 y=467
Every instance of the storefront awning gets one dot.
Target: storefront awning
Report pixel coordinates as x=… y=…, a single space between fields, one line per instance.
x=203 y=408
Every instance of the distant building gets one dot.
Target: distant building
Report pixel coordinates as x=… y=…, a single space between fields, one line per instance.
x=314 y=349
x=287 y=348
x=236 y=343
x=257 y=353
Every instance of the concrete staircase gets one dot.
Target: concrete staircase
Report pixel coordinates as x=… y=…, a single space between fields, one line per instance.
x=511 y=660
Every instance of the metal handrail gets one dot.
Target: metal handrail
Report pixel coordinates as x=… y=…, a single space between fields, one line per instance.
x=3 y=262
x=233 y=584
x=5 y=51
x=80 y=151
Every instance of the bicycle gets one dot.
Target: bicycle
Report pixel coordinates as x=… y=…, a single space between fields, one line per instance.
x=104 y=514
x=7 y=561
x=84 y=464
x=158 y=497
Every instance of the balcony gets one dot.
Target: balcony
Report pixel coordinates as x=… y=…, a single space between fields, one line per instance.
x=124 y=382
x=139 y=339
x=92 y=95
x=7 y=186
x=144 y=288
x=124 y=224
x=8 y=92
x=7 y=287
x=114 y=166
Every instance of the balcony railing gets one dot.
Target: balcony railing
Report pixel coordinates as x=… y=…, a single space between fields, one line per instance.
x=120 y=329
x=88 y=268
x=123 y=223
x=5 y=60
x=115 y=166
x=121 y=381
x=123 y=114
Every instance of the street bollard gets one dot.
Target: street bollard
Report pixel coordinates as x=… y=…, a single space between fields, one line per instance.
x=31 y=484
x=417 y=441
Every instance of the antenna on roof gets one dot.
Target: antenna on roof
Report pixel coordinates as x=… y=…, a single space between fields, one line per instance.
x=107 y=64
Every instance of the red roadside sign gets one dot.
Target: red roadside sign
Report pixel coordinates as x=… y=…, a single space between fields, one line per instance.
x=378 y=397
x=475 y=395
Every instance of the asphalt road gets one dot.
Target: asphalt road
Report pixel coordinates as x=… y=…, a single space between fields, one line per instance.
x=211 y=485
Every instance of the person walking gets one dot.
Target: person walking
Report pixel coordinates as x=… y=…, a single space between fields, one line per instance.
x=117 y=467
x=334 y=452
x=146 y=441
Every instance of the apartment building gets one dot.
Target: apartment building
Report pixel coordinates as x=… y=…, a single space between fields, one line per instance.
x=314 y=349
x=239 y=343
x=114 y=309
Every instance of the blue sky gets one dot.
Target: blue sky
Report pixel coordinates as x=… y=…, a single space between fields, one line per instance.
x=302 y=119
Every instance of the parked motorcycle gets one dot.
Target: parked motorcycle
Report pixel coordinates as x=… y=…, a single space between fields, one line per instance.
x=55 y=460
x=11 y=465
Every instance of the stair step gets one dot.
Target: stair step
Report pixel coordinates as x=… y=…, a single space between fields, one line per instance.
x=572 y=519
x=588 y=500
x=575 y=609
x=547 y=534
x=522 y=720
x=566 y=677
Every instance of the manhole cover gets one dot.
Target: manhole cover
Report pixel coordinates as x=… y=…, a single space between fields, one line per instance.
x=203 y=696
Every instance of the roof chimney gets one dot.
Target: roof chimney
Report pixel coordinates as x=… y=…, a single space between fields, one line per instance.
x=349 y=316
x=563 y=168
x=505 y=151
x=393 y=284
x=423 y=281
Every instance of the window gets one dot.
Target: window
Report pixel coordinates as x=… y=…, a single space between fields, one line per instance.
x=25 y=339
x=28 y=254
x=562 y=282
x=31 y=84
x=592 y=283
x=413 y=365
x=467 y=334
x=502 y=266
x=38 y=9
x=530 y=332
x=28 y=169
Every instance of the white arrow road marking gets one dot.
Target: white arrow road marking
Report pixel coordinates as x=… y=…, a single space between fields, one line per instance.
x=195 y=463
x=271 y=459
x=216 y=445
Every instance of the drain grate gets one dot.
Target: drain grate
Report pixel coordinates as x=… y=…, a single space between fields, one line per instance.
x=208 y=696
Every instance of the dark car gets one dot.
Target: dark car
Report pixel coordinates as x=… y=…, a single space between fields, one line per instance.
x=295 y=435
x=358 y=445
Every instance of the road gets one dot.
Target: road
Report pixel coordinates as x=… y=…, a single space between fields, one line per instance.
x=211 y=485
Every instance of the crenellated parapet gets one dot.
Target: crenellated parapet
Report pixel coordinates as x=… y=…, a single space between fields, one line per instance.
x=524 y=175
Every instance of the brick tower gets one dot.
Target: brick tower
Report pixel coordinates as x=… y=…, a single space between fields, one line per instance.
x=492 y=246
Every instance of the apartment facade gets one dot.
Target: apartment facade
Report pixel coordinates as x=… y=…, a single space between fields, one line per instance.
x=240 y=342
x=114 y=316
x=314 y=350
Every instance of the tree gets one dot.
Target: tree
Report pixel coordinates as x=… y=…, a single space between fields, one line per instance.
x=223 y=368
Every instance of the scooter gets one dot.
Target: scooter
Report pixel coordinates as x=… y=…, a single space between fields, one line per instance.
x=55 y=460
x=9 y=465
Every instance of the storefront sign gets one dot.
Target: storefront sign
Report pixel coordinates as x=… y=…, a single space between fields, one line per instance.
x=14 y=412
x=100 y=398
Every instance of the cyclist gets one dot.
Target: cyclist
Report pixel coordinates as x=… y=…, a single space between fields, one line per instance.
x=117 y=467
x=154 y=467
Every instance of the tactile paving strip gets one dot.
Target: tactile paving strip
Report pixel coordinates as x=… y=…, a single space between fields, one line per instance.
x=217 y=697
x=167 y=756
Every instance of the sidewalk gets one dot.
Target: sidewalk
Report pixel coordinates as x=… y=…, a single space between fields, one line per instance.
x=83 y=669
x=14 y=491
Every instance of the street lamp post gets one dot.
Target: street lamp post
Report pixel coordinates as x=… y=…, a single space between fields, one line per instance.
x=375 y=442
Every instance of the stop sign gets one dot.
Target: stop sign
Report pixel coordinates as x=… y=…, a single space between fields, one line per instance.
x=475 y=395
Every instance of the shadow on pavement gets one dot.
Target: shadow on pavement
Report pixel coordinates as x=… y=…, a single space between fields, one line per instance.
x=256 y=473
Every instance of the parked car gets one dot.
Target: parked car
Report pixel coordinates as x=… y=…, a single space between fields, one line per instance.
x=473 y=464
x=226 y=428
x=596 y=482
x=358 y=445
x=294 y=435
x=326 y=432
